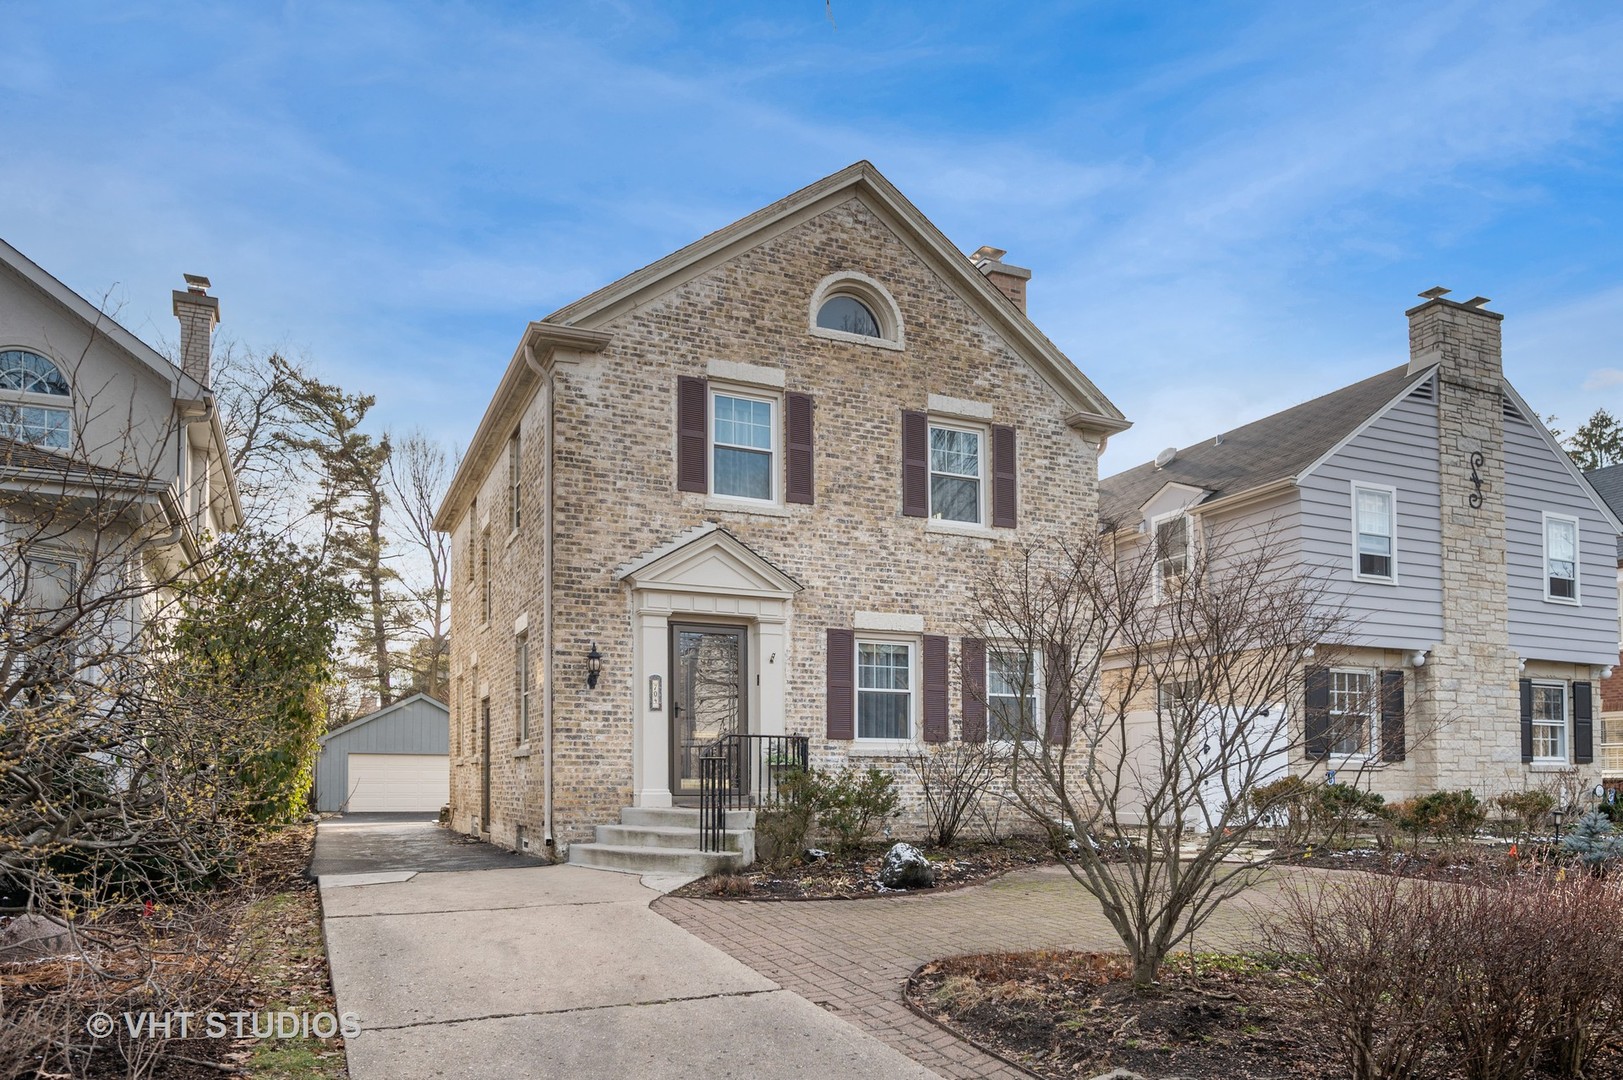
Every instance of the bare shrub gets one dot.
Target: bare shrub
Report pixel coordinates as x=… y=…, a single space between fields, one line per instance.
x=1496 y=977
x=953 y=779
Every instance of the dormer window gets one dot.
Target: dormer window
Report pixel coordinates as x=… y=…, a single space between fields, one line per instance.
x=848 y=315
x=32 y=405
x=1174 y=554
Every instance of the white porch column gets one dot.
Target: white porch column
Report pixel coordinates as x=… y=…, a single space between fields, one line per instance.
x=771 y=662
x=651 y=741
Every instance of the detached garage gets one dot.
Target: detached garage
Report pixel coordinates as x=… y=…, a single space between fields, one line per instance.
x=395 y=760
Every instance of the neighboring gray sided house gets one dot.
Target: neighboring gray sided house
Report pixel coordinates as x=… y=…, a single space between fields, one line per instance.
x=396 y=759
x=1608 y=484
x=1476 y=563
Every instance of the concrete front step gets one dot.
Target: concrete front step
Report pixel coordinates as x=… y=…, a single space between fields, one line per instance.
x=647 y=860
x=680 y=817
x=650 y=837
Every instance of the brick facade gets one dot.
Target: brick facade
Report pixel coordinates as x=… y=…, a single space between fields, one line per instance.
x=611 y=450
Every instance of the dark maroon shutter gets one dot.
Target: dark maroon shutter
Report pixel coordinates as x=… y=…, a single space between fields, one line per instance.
x=935 y=688
x=915 y=464
x=1056 y=682
x=1003 y=478
x=1527 y=720
x=972 y=660
x=1583 y=723
x=1393 y=734
x=842 y=684
x=798 y=475
x=691 y=406
x=1316 y=712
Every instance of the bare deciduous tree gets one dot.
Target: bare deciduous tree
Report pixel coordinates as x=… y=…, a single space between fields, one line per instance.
x=1162 y=695
x=419 y=472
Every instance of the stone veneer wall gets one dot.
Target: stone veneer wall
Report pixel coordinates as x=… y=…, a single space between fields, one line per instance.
x=853 y=550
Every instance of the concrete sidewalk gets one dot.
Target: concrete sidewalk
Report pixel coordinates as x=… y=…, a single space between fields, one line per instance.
x=562 y=971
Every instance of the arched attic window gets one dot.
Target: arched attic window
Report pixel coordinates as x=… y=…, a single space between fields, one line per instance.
x=33 y=400
x=851 y=306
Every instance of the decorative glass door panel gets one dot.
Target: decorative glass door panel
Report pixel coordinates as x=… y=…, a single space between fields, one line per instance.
x=708 y=672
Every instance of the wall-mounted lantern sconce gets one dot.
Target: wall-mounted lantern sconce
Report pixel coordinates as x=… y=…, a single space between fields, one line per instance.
x=594 y=667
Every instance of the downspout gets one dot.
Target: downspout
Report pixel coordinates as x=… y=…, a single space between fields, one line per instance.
x=546 y=598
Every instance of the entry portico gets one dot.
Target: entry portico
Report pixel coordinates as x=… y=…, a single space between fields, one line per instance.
x=704 y=578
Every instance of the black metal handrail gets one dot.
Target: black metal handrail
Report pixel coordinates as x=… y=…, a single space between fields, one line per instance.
x=737 y=772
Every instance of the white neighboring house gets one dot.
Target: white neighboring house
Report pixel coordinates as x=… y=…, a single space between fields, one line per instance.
x=113 y=464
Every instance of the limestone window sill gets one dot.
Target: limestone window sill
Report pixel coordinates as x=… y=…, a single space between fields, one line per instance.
x=522 y=750
x=738 y=506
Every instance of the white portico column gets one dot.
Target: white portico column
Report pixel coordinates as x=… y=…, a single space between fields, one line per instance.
x=651 y=734
x=771 y=663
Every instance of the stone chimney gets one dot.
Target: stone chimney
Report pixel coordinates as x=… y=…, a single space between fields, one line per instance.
x=1010 y=280
x=1468 y=687
x=199 y=314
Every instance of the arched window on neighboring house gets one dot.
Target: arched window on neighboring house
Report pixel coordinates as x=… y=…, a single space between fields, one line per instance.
x=34 y=400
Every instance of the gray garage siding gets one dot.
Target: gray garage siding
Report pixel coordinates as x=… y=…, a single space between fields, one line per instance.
x=414 y=725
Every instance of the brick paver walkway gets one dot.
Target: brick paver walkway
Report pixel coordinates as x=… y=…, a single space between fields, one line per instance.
x=852 y=956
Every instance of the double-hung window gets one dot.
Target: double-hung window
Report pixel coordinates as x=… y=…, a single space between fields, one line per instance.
x=884 y=690
x=514 y=472
x=1353 y=712
x=1374 y=514
x=957 y=471
x=1011 y=694
x=521 y=677
x=484 y=574
x=1561 y=558
x=1550 y=722
x=1173 y=553
x=743 y=443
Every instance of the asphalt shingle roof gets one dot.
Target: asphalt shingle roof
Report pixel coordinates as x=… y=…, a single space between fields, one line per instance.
x=1257 y=453
x=1608 y=484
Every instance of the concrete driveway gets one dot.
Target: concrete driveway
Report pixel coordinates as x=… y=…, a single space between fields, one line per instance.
x=399 y=844
x=562 y=971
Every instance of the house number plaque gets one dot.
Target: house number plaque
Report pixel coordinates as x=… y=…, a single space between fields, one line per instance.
x=655 y=697
x=1477 y=460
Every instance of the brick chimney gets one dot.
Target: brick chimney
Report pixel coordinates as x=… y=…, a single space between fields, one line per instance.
x=1010 y=280
x=1472 y=674
x=199 y=314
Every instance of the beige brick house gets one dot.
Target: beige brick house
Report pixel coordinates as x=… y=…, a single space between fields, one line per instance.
x=759 y=480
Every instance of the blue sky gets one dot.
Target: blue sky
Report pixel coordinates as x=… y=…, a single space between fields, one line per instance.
x=1226 y=207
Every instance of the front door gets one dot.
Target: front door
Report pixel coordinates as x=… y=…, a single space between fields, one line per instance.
x=708 y=696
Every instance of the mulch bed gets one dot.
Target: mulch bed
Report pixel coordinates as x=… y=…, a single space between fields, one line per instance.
x=1216 y=1017
x=856 y=876
x=1465 y=862
x=251 y=945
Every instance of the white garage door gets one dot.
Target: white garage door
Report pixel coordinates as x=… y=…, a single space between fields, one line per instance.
x=380 y=783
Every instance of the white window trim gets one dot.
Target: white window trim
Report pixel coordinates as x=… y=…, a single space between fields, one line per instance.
x=1039 y=699
x=1566 y=725
x=1391 y=493
x=775 y=467
x=1576 y=599
x=982 y=496
x=914 y=691
x=1188 y=555
x=1372 y=734
x=33 y=399
x=874 y=296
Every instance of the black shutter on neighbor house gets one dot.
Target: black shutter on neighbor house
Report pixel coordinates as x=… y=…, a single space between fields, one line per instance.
x=972 y=661
x=798 y=460
x=1393 y=734
x=1527 y=720
x=842 y=684
x=691 y=406
x=1316 y=712
x=1003 y=478
x=935 y=688
x=915 y=464
x=1583 y=723
x=1056 y=679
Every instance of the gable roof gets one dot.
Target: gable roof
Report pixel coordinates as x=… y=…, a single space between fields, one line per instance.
x=585 y=318
x=387 y=710
x=1608 y=484
x=1278 y=447
x=102 y=323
